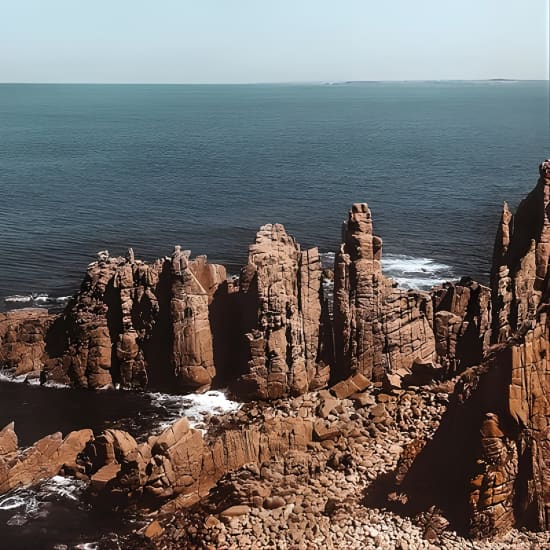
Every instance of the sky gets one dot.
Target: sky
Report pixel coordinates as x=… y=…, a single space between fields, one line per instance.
x=240 y=41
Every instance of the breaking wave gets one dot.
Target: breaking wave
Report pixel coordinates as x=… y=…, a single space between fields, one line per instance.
x=196 y=407
x=24 y=505
x=36 y=300
x=416 y=272
x=411 y=272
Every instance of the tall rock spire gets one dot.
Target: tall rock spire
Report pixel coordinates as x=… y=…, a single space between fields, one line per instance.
x=281 y=288
x=378 y=328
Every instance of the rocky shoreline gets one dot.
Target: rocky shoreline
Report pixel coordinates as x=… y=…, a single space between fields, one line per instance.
x=373 y=417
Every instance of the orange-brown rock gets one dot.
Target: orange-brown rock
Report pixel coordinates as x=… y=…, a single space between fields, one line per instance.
x=462 y=324
x=42 y=460
x=495 y=437
x=193 y=285
x=130 y=321
x=180 y=462
x=23 y=340
x=378 y=328
x=281 y=288
x=8 y=440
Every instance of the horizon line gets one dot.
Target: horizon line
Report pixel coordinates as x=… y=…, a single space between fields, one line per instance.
x=282 y=82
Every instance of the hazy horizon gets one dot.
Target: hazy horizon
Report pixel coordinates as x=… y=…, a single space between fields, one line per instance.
x=281 y=82
x=258 y=42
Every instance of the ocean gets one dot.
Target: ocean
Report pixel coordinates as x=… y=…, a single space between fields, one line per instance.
x=85 y=168
x=90 y=167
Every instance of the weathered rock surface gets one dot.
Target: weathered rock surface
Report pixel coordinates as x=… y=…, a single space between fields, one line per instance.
x=395 y=359
x=41 y=461
x=23 y=340
x=388 y=334
x=488 y=465
x=129 y=322
x=194 y=284
x=282 y=292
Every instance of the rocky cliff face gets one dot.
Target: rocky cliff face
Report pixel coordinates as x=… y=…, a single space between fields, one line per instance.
x=23 y=335
x=381 y=329
x=178 y=323
x=130 y=322
x=494 y=440
x=281 y=288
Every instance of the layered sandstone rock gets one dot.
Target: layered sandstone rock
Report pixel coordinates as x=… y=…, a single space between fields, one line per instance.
x=41 y=461
x=520 y=261
x=129 y=321
x=461 y=324
x=281 y=288
x=194 y=284
x=178 y=323
x=181 y=462
x=378 y=328
x=23 y=341
x=495 y=437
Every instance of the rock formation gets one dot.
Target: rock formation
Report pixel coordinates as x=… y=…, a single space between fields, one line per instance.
x=389 y=354
x=128 y=323
x=380 y=329
x=194 y=284
x=282 y=297
x=495 y=437
x=41 y=461
x=23 y=341
x=268 y=336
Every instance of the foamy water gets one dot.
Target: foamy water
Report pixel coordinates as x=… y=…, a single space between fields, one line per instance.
x=409 y=272
x=196 y=407
x=39 y=299
x=416 y=272
x=28 y=503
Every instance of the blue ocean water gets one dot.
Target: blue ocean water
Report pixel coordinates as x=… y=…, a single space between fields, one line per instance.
x=89 y=167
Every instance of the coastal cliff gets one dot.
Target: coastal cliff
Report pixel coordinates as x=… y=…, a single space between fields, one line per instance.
x=450 y=386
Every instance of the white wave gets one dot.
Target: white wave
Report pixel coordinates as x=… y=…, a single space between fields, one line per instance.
x=409 y=272
x=64 y=487
x=19 y=298
x=416 y=272
x=38 y=299
x=412 y=264
x=30 y=503
x=55 y=385
x=20 y=379
x=11 y=503
x=196 y=407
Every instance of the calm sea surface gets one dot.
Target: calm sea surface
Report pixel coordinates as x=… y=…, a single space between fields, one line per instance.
x=89 y=167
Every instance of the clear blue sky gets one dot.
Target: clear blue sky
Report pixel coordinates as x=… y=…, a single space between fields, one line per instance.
x=271 y=40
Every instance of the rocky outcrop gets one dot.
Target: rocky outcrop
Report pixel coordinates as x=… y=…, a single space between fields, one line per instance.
x=519 y=276
x=41 y=461
x=177 y=323
x=131 y=320
x=461 y=324
x=23 y=341
x=494 y=440
x=378 y=328
x=194 y=284
x=281 y=287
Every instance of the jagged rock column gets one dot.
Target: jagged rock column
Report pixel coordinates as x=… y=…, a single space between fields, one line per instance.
x=281 y=288
x=378 y=328
x=192 y=345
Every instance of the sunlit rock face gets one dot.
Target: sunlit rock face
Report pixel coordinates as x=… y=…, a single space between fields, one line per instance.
x=378 y=328
x=488 y=465
x=281 y=297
